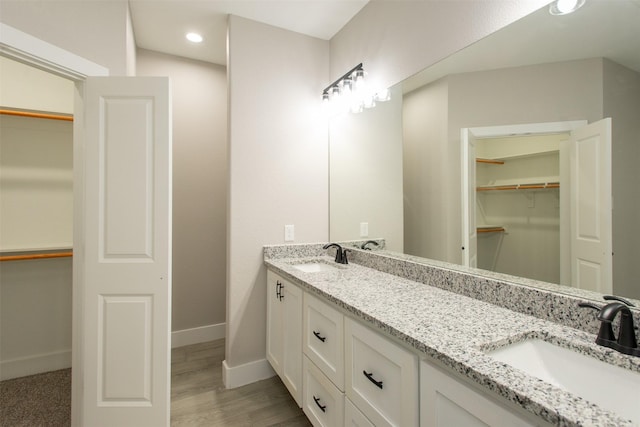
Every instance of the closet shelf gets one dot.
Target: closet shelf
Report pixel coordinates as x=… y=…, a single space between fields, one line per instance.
x=31 y=256
x=490 y=161
x=491 y=229
x=533 y=186
x=36 y=115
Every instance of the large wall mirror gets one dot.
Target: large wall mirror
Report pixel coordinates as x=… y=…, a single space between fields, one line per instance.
x=497 y=157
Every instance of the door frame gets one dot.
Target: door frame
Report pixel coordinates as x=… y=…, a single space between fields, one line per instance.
x=533 y=129
x=29 y=50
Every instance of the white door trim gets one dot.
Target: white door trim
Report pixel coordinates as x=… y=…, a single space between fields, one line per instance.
x=32 y=51
x=533 y=128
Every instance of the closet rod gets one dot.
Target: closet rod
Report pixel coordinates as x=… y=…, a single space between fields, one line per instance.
x=36 y=256
x=36 y=115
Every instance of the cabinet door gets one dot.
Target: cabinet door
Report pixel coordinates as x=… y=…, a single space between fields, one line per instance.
x=381 y=377
x=322 y=402
x=292 y=339
x=275 y=333
x=324 y=338
x=445 y=402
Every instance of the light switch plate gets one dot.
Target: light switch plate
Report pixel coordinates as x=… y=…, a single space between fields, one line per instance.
x=364 y=229
x=289 y=233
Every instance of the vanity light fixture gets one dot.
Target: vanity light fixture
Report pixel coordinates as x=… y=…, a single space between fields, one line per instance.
x=564 y=7
x=194 y=37
x=352 y=93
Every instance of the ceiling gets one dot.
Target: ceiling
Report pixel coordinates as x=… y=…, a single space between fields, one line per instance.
x=601 y=28
x=161 y=25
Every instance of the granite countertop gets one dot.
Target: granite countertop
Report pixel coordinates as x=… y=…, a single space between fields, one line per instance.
x=456 y=330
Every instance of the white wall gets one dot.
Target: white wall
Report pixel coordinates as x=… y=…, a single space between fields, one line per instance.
x=366 y=173
x=425 y=115
x=622 y=104
x=533 y=94
x=199 y=102
x=396 y=39
x=28 y=88
x=95 y=30
x=278 y=170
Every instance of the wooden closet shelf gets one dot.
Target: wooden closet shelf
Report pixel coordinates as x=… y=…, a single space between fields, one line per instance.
x=537 y=186
x=490 y=230
x=490 y=161
x=36 y=115
x=23 y=257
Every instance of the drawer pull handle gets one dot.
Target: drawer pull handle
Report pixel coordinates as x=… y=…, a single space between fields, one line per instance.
x=322 y=408
x=370 y=378
x=278 y=287
x=321 y=338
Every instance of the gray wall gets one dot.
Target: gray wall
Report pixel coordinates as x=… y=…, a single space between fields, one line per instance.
x=199 y=102
x=622 y=104
x=573 y=90
x=278 y=171
x=99 y=30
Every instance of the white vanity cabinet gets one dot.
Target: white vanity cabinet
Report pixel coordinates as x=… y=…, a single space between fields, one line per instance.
x=446 y=401
x=323 y=348
x=322 y=402
x=323 y=338
x=381 y=377
x=284 y=332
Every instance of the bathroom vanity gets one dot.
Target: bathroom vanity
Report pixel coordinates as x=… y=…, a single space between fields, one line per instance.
x=386 y=340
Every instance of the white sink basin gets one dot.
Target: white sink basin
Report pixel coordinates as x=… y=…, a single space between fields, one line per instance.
x=608 y=386
x=315 y=267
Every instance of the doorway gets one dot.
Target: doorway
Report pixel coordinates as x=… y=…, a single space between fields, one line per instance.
x=582 y=179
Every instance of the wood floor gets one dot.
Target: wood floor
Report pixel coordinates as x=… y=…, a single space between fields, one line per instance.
x=198 y=396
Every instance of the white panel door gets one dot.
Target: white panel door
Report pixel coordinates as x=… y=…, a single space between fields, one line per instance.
x=591 y=224
x=127 y=253
x=469 y=229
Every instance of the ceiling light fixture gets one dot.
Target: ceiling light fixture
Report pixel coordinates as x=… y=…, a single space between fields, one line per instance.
x=352 y=93
x=564 y=7
x=194 y=37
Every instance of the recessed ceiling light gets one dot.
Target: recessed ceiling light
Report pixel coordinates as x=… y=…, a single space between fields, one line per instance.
x=564 y=7
x=194 y=37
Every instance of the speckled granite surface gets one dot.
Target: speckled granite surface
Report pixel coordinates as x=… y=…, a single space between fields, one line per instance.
x=452 y=328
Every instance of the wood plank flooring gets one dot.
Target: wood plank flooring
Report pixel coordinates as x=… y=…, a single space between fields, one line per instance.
x=198 y=396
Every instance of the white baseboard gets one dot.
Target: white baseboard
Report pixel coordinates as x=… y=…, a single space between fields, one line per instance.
x=197 y=335
x=246 y=374
x=37 y=364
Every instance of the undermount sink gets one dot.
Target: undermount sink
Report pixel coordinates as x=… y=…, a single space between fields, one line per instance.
x=314 y=267
x=608 y=386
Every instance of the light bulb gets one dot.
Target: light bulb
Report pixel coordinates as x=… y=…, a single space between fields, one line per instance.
x=563 y=7
x=194 y=37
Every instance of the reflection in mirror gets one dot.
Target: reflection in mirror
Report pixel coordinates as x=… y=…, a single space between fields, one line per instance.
x=399 y=172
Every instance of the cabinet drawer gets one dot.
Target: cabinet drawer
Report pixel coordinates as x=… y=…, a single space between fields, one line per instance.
x=353 y=417
x=322 y=402
x=323 y=338
x=446 y=401
x=381 y=377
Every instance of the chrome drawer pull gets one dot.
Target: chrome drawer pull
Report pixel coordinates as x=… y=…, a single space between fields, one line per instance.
x=370 y=378
x=322 y=408
x=321 y=338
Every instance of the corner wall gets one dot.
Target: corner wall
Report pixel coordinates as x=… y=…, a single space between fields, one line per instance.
x=278 y=175
x=199 y=105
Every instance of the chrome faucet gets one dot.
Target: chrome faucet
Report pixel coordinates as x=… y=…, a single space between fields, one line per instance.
x=341 y=254
x=626 y=342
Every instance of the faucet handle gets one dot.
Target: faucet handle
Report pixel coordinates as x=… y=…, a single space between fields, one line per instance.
x=617 y=298
x=605 y=334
